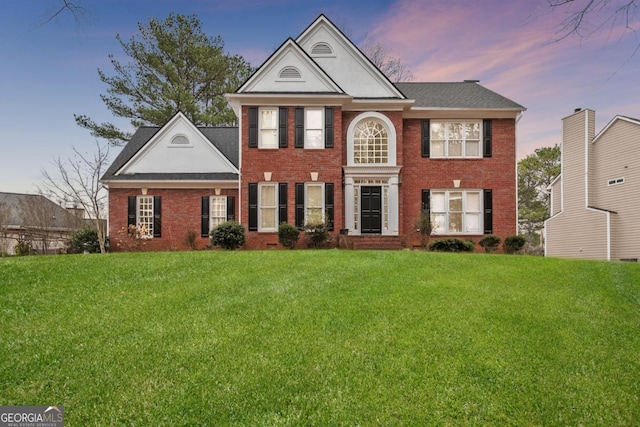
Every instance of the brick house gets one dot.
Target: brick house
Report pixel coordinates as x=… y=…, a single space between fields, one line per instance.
x=324 y=136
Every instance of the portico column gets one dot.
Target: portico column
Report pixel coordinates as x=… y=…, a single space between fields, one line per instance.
x=348 y=204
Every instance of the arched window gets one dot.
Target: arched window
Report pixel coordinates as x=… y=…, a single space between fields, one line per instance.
x=370 y=143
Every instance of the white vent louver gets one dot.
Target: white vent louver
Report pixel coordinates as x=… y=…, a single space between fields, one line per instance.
x=180 y=140
x=321 y=48
x=290 y=73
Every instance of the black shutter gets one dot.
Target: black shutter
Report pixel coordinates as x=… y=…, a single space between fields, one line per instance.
x=253 y=206
x=487 y=133
x=282 y=202
x=157 y=210
x=299 y=119
x=231 y=208
x=253 y=127
x=426 y=137
x=426 y=203
x=488 y=212
x=282 y=128
x=328 y=127
x=204 y=214
x=299 y=204
x=131 y=211
x=328 y=204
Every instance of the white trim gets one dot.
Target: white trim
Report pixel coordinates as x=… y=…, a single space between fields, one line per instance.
x=391 y=141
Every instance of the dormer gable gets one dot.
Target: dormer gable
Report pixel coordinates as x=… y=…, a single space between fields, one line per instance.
x=289 y=70
x=344 y=62
x=177 y=147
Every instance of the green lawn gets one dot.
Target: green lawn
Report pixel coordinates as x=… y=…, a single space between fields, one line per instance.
x=321 y=338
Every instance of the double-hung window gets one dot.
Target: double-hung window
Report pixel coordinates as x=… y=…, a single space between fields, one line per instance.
x=268 y=207
x=456 y=139
x=314 y=128
x=218 y=214
x=456 y=211
x=314 y=203
x=268 y=125
x=144 y=214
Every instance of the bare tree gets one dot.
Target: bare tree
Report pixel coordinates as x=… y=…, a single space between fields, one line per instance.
x=76 y=181
x=392 y=67
x=73 y=8
x=586 y=17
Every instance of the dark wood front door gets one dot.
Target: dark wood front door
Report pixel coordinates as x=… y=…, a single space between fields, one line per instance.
x=371 y=210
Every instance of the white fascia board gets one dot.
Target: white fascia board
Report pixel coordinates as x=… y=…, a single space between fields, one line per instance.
x=289 y=99
x=615 y=119
x=171 y=184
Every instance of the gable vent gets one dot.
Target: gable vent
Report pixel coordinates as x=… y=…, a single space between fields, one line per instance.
x=290 y=73
x=321 y=48
x=180 y=140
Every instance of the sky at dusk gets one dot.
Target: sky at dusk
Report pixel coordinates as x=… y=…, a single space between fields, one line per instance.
x=48 y=71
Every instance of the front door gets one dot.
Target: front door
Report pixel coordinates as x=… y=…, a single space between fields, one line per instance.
x=371 y=210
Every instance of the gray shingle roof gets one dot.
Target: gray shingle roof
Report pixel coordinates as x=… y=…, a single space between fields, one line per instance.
x=33 y=210
x=225 y=139
x=468 y=94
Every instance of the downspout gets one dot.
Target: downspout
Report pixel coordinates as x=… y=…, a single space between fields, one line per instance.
x=517 y=191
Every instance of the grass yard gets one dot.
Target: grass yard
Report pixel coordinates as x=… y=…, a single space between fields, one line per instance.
x=323 y=338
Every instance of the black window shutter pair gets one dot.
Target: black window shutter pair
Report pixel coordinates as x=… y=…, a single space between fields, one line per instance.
x=282 y=127
x=157 y=210
x=231 y=213
x=328 y=204
x=328 y=127
x=425 y=136
x=253 y=204
x=488 y=208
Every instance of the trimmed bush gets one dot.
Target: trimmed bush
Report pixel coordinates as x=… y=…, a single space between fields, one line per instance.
x=288 y=235
x=318 y=234
x=513 y=244
x=24 y=248
x=228 y=235
x=451 y=244
x=489 y=243
x=84 y=240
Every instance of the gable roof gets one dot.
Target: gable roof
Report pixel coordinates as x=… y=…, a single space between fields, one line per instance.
x=225 y=139
x=16 y=206
x=456 y=95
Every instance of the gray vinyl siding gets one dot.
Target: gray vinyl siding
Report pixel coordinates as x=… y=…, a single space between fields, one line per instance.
x=576 y=232
x=617 y=152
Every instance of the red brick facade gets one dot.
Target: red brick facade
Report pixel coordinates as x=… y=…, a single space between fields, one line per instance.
x=181 y=213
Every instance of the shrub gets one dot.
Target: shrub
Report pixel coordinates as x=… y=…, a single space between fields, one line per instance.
x=24 y=248
x=288 y=235
x=513 y=244
x=190 y=239
x=489 y=243
x=424 y=226
x=228 y=235
x=84 y=239
x=318 y=234
x=450 y=244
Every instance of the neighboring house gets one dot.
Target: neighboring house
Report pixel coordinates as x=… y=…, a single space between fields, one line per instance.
x=37 y=220
x=594 y=201
x=324 y=136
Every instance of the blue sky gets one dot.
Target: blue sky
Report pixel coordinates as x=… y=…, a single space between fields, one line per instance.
x=49 y=72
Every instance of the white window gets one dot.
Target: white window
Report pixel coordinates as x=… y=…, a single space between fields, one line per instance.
x=268 y=207
x=144 y=216
x=456 y=212
x=455 y=139
x=314 y=203
x=268 y=125
x=218 y=211
x=370 y=143
x=314 y=128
